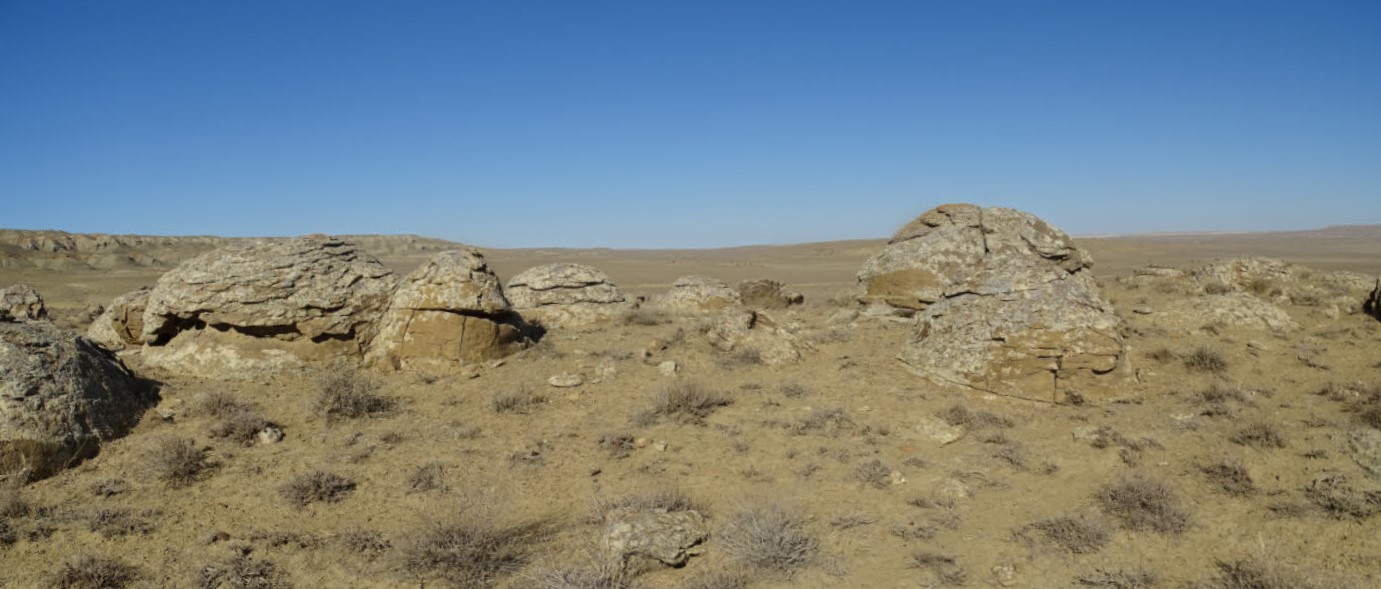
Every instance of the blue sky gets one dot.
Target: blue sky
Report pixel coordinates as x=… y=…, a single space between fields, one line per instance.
x=684 y=124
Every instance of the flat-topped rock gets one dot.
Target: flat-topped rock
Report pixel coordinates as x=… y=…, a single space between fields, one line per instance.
x=697 y=294
x=565 y=295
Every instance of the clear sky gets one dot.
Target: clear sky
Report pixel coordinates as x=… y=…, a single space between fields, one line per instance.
x=684 y=124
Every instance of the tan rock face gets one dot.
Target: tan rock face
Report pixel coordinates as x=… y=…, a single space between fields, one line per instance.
x=697 y=294
x=667 y=537
x=448 y=313
x=21 y=302
x=739 y=329
x=565 y=295
x=313 y=287
x=61 y=396
x=122 y=323
x=768 y=294
x=265 y=305
x=1003 y=303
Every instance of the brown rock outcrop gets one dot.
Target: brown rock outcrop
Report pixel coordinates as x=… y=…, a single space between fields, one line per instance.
x=565 y=295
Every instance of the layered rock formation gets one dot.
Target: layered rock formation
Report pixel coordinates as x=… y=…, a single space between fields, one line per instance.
x=768 y=294
x=448 y=313
x=697 y=294
x=738 y=329
x=1003 y=303
x=21 y=301
x=267 y=304
x=60 y=397
x=121 y=324
x=565 y=295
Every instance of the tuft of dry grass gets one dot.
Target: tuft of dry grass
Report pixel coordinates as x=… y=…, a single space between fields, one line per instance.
x=242 y=572
x=233 y=420
x=1207 y=360
x=1338 y=498
x=12 y=502
x=93 y=571
x=176 y=460
x=1259 y=435
x=943 y=567
x=428 y=476
x=618 y=445
x=874 y=474
x=667 y=499
x=316 y=486
x=470 y=549
x=522 y=400
x=1219 y=400
x=684 y=401
x=958 y=414
x=1142 y=503
x=1078 y=534
x=1231 y=477
x=646 y=316
x=1252 y=573
x=769 y=536
x=347 y=393
x=1163 y=355
x=1136 y=578
x=364 y=543
x=113 y=523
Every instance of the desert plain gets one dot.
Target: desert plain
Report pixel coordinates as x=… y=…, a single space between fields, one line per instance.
x=1236 y=454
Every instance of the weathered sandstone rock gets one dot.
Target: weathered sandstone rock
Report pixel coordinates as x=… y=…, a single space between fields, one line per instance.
x=565 y=295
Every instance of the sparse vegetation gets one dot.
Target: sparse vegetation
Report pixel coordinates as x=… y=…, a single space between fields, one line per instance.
x=347 y=393
x=874 y=474
x=1336 y=495
x=1259 y=435
x=1220 y=400
x=1078 y=534
x=1135 y=578
x=316 y=486
x=1207 y=360
x=232 y=420
x=1230 y=476
x=1142 y=503
x=668 y=499
x=242 y=572
x=945 y=570
x=176 y=461
x=769 y=536
x=364 y=543
x=113 y=523
x=522 y=400
x=470 y=549
x=958 y=414
x=428 y=476
x=684 y=401
x=93 y=571
x=1252 y=573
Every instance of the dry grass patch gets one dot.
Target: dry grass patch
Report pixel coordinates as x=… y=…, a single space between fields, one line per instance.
x=683 y=401
x=428 y=476
x=242 y=572
x=1220 y=400
x=874 y=474
x=93 y=571
x=347 y=393
x=522 y=400
x=232 y=420
x=113 y=523
x=470 y=549
x=945 y=570
x=1230 y=477
x=1260 y=435
x=176 y=460
x=1135 y=578
x=960 y=415
x=316 y=486
x=1077 y=534
x=664 y=499
x=769 y=536
x=1142 y=503
x=1336 y=496
x=1252 y=573
x=1205 y=360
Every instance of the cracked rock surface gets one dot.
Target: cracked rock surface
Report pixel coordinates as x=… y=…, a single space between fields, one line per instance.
x=1003 y=303
x=565 y=295
x=447 y=313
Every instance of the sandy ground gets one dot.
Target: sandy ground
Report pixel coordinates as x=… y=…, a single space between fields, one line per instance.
x=805 y=437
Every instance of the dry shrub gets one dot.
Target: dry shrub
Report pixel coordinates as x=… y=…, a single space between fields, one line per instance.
x=1259 y=435
x=316 y=486
x=176 y=460
x=1335 y=495
x=669 y=499
x=1142 y=503
x=943 y=567
x=241 y=572
x=619 y=445
x=1077 y=534
x=109 y=487
x=1204 y=359
x=523 y=400
x=428 y=476
x=12 y=502
x=684 y=401
x=874 y=474
x=471 y=549
x=598 y=574
x=1136 y=578
x=347 y=393
x=93 y=571
x=795 y=390
x=646 y=316
x=1251 y=573
x=365 y=543
x=830 y=422
x=113 y=523
x=1217 y=288
x=233 y=420
x=958 y=414
x=769 y=536
x=1220 y=400
x=1231 y=477
x=1163 y=355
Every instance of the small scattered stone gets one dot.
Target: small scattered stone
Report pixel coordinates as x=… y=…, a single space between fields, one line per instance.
x=937 y=430
x=1256 y=345
x=660 y=445
x=668 y=368
x=270 y=435
x=896 y=478
x=566 y=380
x=1005 y=574
x=1142 y=310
